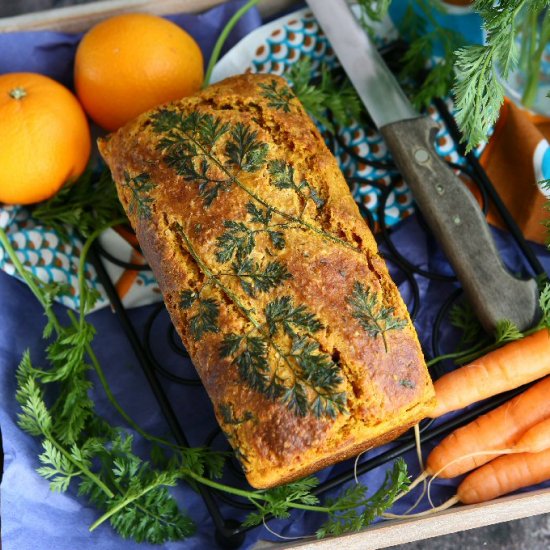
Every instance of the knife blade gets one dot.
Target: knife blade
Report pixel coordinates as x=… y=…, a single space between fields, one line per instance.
x=449 y=208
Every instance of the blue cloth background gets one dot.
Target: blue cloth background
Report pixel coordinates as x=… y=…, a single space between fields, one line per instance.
x=34 y=518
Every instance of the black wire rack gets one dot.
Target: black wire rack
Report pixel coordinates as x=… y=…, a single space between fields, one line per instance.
x=230 y=533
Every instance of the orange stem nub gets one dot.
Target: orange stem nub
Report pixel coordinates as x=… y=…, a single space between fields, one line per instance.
x=18 y=93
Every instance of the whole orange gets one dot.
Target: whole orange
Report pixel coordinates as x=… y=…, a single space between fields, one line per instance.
x=44 y=137
x=130 y=63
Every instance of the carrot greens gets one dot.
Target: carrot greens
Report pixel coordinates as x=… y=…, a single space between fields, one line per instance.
x=82 y=452
x=87 y=203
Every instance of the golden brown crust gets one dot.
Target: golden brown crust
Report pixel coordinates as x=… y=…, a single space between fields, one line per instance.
x=328 y=249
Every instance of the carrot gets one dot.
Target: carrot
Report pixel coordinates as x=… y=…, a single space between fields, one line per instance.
x=526 y=463
x=499 y=429
x=536 y=439
x=504 y=475
x=509 y=367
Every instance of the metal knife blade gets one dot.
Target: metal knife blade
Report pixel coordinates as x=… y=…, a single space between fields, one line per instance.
x=375 y=84
x=449 y=208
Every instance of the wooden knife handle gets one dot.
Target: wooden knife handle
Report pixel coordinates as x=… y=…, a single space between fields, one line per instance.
x=458 y=223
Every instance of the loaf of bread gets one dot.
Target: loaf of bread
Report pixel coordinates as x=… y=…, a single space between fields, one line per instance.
x=271 y=277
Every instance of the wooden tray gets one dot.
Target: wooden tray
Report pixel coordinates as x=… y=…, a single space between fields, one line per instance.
x=390 y=533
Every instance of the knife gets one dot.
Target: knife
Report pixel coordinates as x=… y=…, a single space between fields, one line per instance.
x=451 y=211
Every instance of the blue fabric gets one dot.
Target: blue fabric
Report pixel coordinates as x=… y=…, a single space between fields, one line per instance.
x=467 y=23
x=32 y=516
x=52 y=53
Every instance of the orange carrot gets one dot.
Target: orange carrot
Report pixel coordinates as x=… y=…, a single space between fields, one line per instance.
x=504 y=475
x=536 y=439
x=498 y=429
x=506 y=368
x=526 y=463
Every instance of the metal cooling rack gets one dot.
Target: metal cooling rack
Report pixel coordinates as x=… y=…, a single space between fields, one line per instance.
x=230 y=533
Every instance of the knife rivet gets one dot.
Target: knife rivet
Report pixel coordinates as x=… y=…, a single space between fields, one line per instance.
x=440 y=189
x=457 y=220
x=421 y=156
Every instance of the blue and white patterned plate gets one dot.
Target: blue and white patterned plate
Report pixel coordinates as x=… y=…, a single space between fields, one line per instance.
x=275 y=47
x=272 y=48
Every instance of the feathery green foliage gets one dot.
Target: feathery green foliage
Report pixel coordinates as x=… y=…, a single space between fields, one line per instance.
x=373 y=317
x=206 y=316
x=282 y=177
x=87 y=203
x=478 y=91
x=254 y=278
x=140 y=187
x=187 y=142
x=473 y=68
x=473 y=344
x=432 y=77
x=304 y=378
x=352 y=511
x=373 y=10
x=279 y=97
x=463 y=317
x=239 y=239
x=245 y=150
x=279 y=501
x=82 y=450
x=326 y=95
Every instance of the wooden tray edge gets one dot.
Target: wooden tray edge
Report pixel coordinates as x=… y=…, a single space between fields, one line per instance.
x=458 y=518
x=81 y=17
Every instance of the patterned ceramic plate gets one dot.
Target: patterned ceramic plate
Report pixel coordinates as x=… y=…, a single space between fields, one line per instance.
x=275 y=47
x=271 y=48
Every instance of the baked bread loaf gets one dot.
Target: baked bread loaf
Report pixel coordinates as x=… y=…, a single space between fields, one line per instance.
x=271 y=277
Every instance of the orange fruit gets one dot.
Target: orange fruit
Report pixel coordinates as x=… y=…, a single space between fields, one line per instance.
x=44 y=137
x=130 y=63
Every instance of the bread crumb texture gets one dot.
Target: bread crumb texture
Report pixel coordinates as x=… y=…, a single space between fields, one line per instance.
x=271 y=277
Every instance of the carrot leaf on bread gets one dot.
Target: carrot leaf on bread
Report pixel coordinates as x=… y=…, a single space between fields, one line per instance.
x=372 y=315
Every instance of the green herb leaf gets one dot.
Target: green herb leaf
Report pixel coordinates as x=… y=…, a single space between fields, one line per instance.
x=187 y=142
x=321 y=374
x=245 y=150
x=373 y=10
x=374 y=318
x=425 y=76
x=327 y=95
x=259 y=215
x=34 y=417
x=463 y=317
x=249 y=353
x=254 y=278
x=478 y=91
x=206 y=316
x=506 y=331
x=279 y=97
x=228 y=416
x=57 y=468
x=305 y=379
x=544 y=303
x=140 y=187
x=87 y=203
x=281 y=313
x=237 y=241
x=282 y=174
x=279 y=501
x=352 y=511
